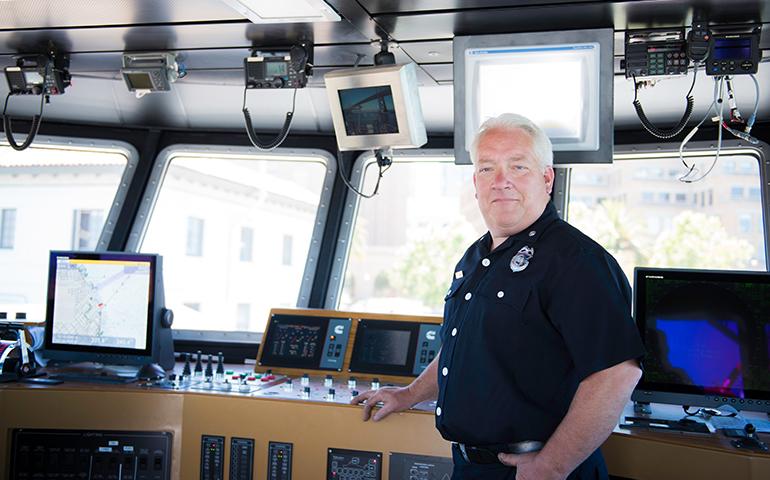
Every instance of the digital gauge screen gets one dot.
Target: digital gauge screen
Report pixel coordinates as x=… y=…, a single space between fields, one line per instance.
x=294 y=341
x=306 y=342
x=385 y=347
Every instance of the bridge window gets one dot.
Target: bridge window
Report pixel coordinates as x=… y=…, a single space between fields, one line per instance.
x=406 y=240
x=218 y=218
x=7 y=227
x=713 y=231
x=57 y=194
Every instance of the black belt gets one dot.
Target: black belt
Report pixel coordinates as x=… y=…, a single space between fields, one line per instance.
x=488 y=453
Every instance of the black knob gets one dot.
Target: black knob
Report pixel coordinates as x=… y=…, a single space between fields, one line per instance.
x=354 y=393
x=750 y=429
x=307 y=390
x=199 y=362
x=186 y=370
x=220 y=363
x=209 y=366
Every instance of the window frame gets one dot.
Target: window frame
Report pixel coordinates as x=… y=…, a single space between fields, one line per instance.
x=350 y=215
x=119 y=201
x=761 y=152
x=152 y=192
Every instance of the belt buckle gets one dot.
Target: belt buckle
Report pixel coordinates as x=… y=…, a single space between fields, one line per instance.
x=464 y=454
x=477 y=455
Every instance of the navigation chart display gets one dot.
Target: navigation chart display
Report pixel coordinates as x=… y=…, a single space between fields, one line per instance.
x=101 y=302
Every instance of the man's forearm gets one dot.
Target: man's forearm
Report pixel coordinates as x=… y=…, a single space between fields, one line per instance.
x=592 y=416
x=425 y=387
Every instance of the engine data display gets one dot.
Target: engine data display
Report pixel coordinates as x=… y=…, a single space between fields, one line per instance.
x=385 y=347
x=353 y=465
x=301 y=341
x=419 y=467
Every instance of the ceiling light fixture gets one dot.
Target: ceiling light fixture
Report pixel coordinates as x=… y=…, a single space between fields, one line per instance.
x=284 y=11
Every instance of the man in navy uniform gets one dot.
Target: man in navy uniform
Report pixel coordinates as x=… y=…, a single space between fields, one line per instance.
x=539 y=352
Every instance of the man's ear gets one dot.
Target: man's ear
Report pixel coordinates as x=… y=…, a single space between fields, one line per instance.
x=548 y=175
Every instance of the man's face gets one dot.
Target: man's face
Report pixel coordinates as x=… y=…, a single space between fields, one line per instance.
x=511 y=187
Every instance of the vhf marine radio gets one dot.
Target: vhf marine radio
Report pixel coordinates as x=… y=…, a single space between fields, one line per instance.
x=43 y=74
x=734 y=53
x=279 y=67
x=652 y=53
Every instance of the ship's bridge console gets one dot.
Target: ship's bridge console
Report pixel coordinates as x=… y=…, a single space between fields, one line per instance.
x=290 y=417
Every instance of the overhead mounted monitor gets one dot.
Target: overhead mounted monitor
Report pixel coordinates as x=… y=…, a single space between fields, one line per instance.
x=562 y=81
x=707 y=337
x=376 y=107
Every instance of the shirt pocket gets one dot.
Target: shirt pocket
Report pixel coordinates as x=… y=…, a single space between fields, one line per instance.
x=502 y=319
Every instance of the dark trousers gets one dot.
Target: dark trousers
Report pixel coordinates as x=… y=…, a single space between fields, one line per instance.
x=593 y=468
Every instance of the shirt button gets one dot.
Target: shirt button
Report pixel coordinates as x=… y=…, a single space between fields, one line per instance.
x=444 y=371
x=468 y=296
x=454 y=332
x=500 y=294
x=438 y=411
x=485 y=262
x=532 y=233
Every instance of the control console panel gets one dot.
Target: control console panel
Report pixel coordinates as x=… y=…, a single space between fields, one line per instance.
x=48 y=453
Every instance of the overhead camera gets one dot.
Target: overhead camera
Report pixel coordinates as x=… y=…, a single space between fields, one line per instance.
x=43 y=74
x=150 y=72
x=279 y=67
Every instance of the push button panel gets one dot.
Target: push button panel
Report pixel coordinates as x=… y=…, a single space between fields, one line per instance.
x=428 y=345
x=335 y=344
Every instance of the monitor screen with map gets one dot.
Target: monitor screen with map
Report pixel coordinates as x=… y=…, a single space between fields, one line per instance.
x=103 y=307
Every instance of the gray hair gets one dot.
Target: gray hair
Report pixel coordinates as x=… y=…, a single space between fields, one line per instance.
x=541 y=144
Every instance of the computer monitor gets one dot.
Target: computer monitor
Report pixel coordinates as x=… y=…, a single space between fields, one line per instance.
x=107 y=307
x=562 y=81
x=376 y=107
x=707 y=335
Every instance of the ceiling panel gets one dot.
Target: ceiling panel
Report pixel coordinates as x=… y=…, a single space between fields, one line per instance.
x=178 y=37
x=61 y=13
x=445 y=23
x=402 y=6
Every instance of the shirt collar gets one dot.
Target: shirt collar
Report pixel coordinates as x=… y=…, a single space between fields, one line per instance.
x=529 y=234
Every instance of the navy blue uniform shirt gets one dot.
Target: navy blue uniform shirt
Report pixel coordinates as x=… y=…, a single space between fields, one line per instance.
x=515 y=345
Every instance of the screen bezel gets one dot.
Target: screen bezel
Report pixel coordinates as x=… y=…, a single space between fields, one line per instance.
x=84 y=350
x=649 y=391
x=402 y=80
x=357 y=365
x=268 y=360
x=601 y=36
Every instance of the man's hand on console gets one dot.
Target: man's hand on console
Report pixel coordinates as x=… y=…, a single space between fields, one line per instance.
x=391 y=399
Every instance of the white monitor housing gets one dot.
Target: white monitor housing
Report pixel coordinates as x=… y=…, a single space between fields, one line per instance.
x=562 y=81
x=376 y=107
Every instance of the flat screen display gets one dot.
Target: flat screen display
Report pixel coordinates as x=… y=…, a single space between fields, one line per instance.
x=385 y=347
x=294 y=341
x=706 y=332
x=732 y=49
x=368 y=110
x=100 y=302
x=139 y=81
x=275 y=69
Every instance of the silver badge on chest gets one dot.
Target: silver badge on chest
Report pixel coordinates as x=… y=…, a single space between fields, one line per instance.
x=520 y=261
